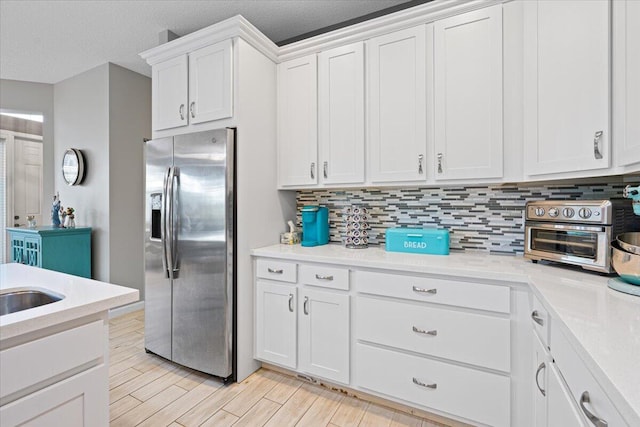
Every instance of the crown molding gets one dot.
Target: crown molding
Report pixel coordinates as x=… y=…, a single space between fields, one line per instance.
x=236 y=26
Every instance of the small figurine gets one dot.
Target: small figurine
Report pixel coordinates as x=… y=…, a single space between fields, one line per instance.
x=68 y=217
x=55 y=210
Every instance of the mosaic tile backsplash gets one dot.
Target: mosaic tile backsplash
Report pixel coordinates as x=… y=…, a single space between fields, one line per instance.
x=486 y=219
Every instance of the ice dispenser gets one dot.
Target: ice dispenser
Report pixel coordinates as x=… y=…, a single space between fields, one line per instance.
x=315 y=226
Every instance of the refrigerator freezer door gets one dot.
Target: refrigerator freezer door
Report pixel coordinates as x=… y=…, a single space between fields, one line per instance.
x=203 y=276
x=157 y=325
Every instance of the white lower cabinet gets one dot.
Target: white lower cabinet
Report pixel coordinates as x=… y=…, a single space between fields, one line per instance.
x=276 y=323
x=323 y=335
x=561 y=409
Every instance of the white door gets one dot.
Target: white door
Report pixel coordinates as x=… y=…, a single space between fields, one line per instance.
x=341 y=114
x=27 y=181
x=210 y=83
x=562 y=409
x=323 y=337
x=276 y=323
x=566 y=86
x=468 y=95
x=396 y=69
x=540 y=373
x=169 y=93
x=626 y=81
x=297 y=122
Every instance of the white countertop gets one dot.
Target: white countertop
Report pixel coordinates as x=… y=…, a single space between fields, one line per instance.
x=83 y=297
x=603 y=324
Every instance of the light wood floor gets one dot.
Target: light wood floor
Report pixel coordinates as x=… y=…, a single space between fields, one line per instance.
x=146 y=390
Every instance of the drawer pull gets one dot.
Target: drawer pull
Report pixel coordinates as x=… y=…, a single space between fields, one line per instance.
x=536 y=318
x=422 y=331
x=305 y=306
x=425 y=291
x=319 y=277
x=274 y=271
x=540 y=368
x=421 y=384
x=594 y=420
x=291 y=303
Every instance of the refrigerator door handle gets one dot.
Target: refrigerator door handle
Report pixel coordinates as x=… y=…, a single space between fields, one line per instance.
x=163 y=225
x=173 y=217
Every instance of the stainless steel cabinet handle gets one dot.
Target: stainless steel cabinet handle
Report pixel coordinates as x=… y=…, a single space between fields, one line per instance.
x=325 y=169
x=420 y=170
x=312 y=170
x=594 y=420
x=540 y=368
x=305 y=306
x=439 y=162
x=536 y=318
x=421 y=384
x=181 y=111
x=425 y=291
x=596 y=145
x=291 y=303
x=422 y=331
x=192 y=108
x=319 y=277
x=274 y=271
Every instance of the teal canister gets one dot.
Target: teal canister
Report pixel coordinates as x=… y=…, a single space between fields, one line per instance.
x=315 y=226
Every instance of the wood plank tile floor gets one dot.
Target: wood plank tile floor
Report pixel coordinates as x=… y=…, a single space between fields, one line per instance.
x=146 y=390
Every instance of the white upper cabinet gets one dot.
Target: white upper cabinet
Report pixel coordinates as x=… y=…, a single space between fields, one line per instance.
x=297 y=122
x=169 y=93
x=468 y=95
x=210 y=83
x=566 y=86
x=626 y=82
x=193 y=88
x=396 y=71
x=341 y=114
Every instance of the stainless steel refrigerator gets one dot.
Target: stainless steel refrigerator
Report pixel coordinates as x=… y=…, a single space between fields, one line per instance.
x=189 y=256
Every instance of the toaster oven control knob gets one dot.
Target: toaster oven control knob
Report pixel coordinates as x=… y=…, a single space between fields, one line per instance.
x=568 y=212
x=584 y=213
x=553 y=212
x=539 y=211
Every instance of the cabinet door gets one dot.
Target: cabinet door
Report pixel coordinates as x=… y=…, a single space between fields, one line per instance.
x=566 y=86
x=81 y=401
x=324 y=334
x=210 y=83
x=297 y=122
x=169 y=93
x=276 y=323
x=341 y=114
x=396 y=67
x=468 y=95
x=626 y=81
x=540 y=373
x=562 y=409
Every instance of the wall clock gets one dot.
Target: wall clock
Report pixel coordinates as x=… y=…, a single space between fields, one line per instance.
x=73 y=166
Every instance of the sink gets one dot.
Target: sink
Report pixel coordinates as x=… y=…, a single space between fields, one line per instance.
x=24 y=299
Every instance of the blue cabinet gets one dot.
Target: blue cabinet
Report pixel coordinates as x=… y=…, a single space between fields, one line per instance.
x=67 y=250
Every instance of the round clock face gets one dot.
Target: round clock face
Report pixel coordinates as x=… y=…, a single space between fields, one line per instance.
x=73 y=166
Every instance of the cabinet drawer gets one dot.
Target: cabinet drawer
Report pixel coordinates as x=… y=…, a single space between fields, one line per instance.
x=323 y=276
x=479 y=396
x=275 y=269
x=48 y=357
x=580 y=380
x=470 y=338
x=441 y=291
x=540 y=320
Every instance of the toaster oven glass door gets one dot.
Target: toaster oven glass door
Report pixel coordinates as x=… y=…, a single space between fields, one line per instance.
x=572 y=242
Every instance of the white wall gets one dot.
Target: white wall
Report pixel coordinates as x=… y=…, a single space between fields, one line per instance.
x=130 y=122
x=81 y=104
x=35 y=98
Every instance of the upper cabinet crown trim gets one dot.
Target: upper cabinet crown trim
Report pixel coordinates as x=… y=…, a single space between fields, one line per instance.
x=407 y=18
x=236 y=26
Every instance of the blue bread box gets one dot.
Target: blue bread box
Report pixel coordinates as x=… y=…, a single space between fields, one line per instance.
x=417 y=240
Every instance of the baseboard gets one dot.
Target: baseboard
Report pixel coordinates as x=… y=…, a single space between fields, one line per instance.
x=125 y=309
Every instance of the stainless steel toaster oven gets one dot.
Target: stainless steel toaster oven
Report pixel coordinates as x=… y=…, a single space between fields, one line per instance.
x=577 y=232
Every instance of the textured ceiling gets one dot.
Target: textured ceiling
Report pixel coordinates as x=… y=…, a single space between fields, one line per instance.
x=49 y=41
